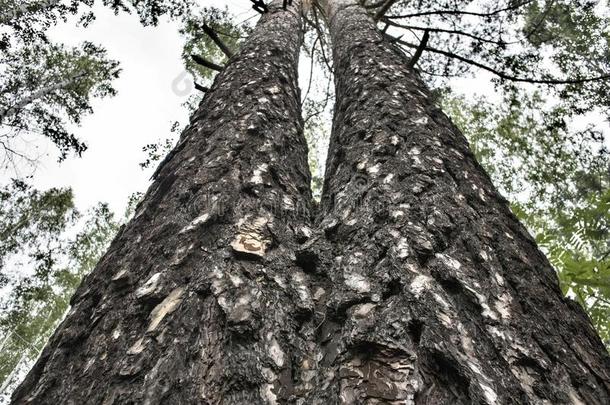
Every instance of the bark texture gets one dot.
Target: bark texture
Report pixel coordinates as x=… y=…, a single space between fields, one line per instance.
x=416 y=286
x=440 y=296
x=198 y=298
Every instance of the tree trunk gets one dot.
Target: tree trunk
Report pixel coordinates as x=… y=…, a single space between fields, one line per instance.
x=198 y=298
x=440 y=296
x=418 y=285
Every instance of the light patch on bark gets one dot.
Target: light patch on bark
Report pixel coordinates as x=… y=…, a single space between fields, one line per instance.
x=449 y=261
x=388 y=178
x=302 y=290
x=483 y=303
x=419 y=284
x=137 y=347
x=318 y=293
x=275 y=351
x=288 y=203
x=357 y=282
x=502 y=305
x=421 y=121
x=116 y=333
x=362 y=311
x=441 y=301
x=167 y=306
x=257 y=175
x=273 y=90
x=267 y=393
x=251 y=239
x=397 y=214
x=236 y=280
x=373 y=170
x=489 y=393
x=402 y=248
x=150 y=286
x=120 y=275
x=499 y=279
x=200 y=220
x=445 y=319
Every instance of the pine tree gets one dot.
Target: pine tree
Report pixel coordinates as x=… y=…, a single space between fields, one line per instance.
x=412 y=283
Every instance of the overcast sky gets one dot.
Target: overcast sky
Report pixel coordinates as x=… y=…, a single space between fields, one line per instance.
x=151 y=90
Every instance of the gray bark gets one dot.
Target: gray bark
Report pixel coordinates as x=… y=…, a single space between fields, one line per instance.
x=415 y=284
x=440 y=296
x=198 y=298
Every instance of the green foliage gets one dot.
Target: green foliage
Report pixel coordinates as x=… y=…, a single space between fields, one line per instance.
x=558 y=180
x=47 y=247
x=45 y=86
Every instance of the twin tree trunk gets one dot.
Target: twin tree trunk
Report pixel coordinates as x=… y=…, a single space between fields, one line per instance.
x=411 y=283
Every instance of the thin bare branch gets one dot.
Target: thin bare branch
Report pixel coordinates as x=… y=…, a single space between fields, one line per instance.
x=219 y=42
x=384 y=9
x=446 y=31
x=460 y=12
x=201 y=88
x=420 y=49
x=500 y=74
x=206 y=63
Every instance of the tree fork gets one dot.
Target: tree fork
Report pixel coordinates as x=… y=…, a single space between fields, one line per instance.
x=439 y=294
x=199 y=299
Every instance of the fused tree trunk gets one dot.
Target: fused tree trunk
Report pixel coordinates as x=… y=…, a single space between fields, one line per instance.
x=440 y=296
x=197 y=299
x=416 y=284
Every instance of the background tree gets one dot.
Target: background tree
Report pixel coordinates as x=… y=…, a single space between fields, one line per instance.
x=47 y=247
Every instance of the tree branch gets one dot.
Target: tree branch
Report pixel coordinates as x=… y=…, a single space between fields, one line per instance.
x=201 y=88
x=39 y=94
x=446 y=31
x=500 y=74
x=384 y=8
x=214 y=37
x=459 y=12
x=373 y=5
x=420 y=49
x=206 y=63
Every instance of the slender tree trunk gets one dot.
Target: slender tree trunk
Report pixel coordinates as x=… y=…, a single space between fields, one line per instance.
x=45 y=91
x=198 y=298
x=440 y=296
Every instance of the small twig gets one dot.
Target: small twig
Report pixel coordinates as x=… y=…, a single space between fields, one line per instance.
x=384 y=9
x=206 y=63
x=420 y=49
x=501 y=74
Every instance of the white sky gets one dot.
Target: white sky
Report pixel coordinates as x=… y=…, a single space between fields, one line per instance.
x=146 y=105
x=141 y=113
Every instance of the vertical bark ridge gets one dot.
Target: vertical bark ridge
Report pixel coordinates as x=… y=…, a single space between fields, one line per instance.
x=439 y=294
x=195 y=300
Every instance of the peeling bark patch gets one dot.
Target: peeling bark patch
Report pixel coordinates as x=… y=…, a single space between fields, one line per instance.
x=167 y=306
x=149 y=287
x=252 y=239
x=200 y=220
x=378 y=375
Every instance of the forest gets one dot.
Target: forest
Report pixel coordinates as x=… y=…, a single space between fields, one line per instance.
x=305 y=201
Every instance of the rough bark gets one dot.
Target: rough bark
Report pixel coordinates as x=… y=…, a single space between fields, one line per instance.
x=417 y=286
x=440 y=296
x=198 y=299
